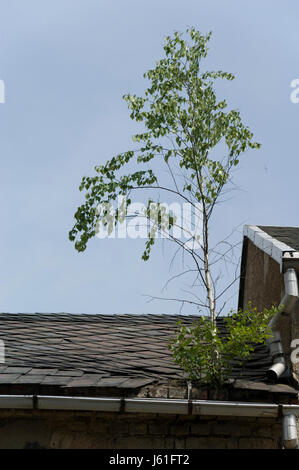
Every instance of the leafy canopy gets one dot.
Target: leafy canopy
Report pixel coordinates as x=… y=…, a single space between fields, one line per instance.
x=183 y=122
x=194 y=348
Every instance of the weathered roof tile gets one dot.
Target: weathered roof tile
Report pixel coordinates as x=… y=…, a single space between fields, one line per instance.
x=87 y=380
x=8 y=378
x=120 y=351
x=287 y=235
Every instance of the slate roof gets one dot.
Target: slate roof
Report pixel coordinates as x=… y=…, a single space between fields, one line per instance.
x=70 y=353
x=287 y=235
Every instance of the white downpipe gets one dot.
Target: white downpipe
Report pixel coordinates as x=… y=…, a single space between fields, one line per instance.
x=274 y=343
x=289 y=431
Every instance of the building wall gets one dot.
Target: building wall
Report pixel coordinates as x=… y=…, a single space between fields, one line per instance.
x=264 y=287
x=264 y=284
x=85 y=430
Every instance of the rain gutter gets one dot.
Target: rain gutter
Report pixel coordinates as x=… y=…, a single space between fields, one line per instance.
x=289 y=413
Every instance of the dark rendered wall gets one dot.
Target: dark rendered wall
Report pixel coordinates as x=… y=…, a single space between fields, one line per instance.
x=263 y=285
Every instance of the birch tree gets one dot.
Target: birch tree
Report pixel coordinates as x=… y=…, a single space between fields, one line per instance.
x=183 y=125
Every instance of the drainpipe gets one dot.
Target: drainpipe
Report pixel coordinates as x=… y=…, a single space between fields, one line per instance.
x=289 y=431
x=275 y=345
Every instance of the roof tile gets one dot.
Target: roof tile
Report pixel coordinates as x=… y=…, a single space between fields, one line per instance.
x=8 y=378
x=99 y=350
x=87 y=380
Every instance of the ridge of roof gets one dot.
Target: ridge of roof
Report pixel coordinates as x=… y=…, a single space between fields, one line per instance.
x=98 y=317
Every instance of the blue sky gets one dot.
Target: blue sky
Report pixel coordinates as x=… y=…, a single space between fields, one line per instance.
x=66 y=65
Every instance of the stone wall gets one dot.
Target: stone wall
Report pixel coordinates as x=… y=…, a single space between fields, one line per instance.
x=86 y=430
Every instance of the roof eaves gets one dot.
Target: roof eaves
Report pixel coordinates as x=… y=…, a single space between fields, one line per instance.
x=278 y=250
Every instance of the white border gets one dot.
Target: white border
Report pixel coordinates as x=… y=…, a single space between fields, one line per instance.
x=268 y=244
